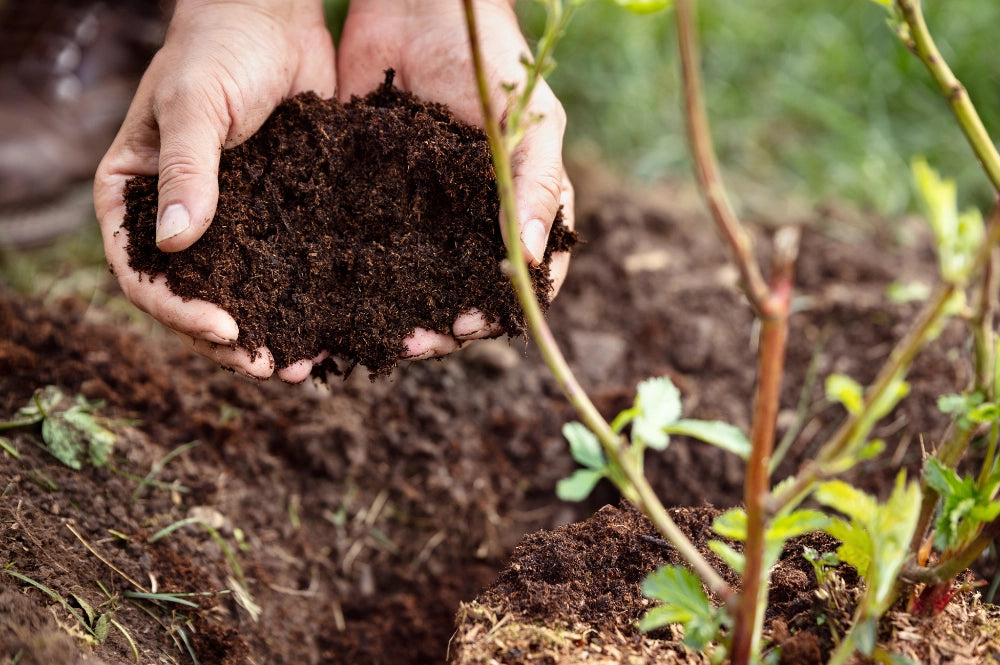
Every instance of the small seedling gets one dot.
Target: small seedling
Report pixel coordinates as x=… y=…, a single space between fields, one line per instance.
x=239 y=585
x=70 y=428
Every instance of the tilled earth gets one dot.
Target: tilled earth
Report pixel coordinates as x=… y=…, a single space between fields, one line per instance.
x=359 y=515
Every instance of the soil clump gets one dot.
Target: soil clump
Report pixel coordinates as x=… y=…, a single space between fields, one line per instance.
x=343 y=227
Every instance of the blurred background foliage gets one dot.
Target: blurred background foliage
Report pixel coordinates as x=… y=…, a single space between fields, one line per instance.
x=813 y=99
x=814 y=102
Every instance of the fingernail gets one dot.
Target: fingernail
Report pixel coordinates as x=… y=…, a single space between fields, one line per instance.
x=421 y=356
x=174 y=221
x=210 y=336
x=533 y=237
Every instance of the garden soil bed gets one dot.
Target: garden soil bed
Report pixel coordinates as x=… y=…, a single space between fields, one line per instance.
x=363 y=514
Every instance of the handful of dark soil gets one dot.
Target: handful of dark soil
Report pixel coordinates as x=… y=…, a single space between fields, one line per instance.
x=342 y=227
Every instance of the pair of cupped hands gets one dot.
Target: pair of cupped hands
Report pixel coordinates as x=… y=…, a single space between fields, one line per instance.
x=223 y=68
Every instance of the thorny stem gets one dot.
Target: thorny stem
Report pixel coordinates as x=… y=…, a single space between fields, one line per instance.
x=954 y=447
x=542 y=334
x=919 y=40
x=771 y=303
x=706 y=166
x=958 y=561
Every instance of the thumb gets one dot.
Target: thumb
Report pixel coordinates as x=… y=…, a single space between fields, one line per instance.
x=539 y=179
x=192 y=134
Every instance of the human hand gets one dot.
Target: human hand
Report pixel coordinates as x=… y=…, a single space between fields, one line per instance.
x=427 y=43
x=224 y=66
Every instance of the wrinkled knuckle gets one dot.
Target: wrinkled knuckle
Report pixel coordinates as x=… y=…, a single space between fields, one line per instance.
x=550 y=181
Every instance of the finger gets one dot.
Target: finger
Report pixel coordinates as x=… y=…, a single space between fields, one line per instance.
x=257 y=367
x=559 y=262
x=317 y=70
x=539 y=174
x=300 y=371
x=474 y=325
x=424 y=344
x=193 y=125
x=194 y=318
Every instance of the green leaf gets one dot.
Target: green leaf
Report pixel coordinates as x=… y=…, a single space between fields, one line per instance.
x=941 y=479
x=855 y=544
x=965 y=506
x=657 y=404
x=865 y=634
x=896 y=391
x=797 y=523
x=684 y=602
x=846 y=391
x=730 y=556
x=42 y=402
x=985 y=413
x=731 y=524
x=101 y=628
x=900 y=293
x=579 y=485
x=74 y=435
x=720 y=434
x=848 y=500
x=957 y=235
x=644 y=6
x=584 y=445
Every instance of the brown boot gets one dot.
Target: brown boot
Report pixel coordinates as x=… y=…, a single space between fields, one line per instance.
x=68 y=70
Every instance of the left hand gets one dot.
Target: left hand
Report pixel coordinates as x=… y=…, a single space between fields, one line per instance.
x=427 y=43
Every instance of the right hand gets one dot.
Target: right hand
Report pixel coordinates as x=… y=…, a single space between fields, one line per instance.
x=223 y=68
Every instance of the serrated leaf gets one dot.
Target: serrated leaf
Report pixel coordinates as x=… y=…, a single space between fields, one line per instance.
x=965 y=506
x=941 y=479
x=730 y=556
x=579 y=485
x=848 y=500
x=720 y=434
x=74 y=435
x=957 y=235
x=644 y=6
x=846 y=391
x=855 y=544
x=684 y=602
x=101 y=628
x=797 y=523
x=584 y=445
x=985 y=413
x=657 y=404
x=88 y=610
x=63 y=441
x=731 y=524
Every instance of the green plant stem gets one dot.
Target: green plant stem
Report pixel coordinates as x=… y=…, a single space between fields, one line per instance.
x=955 y=562
x=705 y=164
x=922 y=44
x=983 y=335
x=902 y=355
x=929 y=498
x=540 y=332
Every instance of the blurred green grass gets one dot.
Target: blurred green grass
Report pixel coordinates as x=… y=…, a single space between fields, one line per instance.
x=816 y=99
x=808 y=100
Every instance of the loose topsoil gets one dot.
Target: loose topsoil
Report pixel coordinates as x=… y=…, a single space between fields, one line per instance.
x=342 y=227
x=363 y=514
